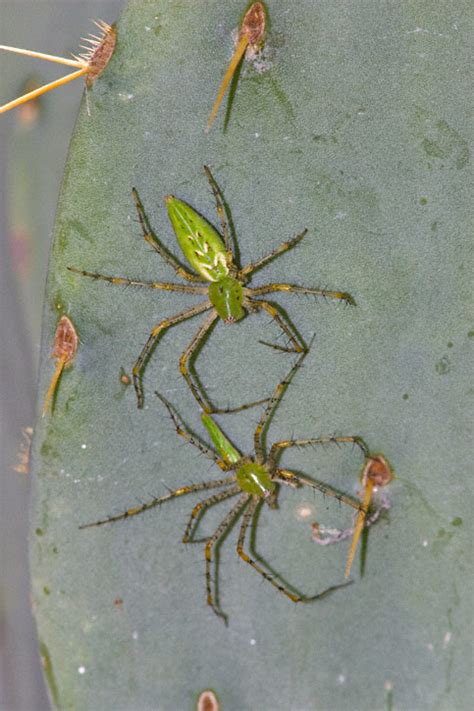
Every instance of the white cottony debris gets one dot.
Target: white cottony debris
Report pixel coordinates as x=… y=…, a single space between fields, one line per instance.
x=447 y=639
x=341 y=679
x=83 y=446
x=81 y=670
x=425 y=543
x=135 y=635
x=253 y=642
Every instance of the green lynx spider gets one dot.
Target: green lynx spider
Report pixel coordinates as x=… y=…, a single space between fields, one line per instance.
x=254 y=479
x=228 y=297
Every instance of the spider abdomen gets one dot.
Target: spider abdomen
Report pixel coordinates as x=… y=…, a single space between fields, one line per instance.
x=200 y=242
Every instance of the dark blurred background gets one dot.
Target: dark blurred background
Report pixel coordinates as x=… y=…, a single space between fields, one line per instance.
x=33 y=149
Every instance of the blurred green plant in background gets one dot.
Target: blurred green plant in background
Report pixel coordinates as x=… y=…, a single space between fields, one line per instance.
x=33 y=147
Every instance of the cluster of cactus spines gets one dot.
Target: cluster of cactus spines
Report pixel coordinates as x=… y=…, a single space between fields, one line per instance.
x=89 y=64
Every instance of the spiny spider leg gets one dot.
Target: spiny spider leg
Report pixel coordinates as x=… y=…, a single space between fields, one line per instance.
x=248 y=514
x=193 y=383
x=268 y=288
x=266 y=414
x=220 y=209
x=221 y=529
x=285 y=476
x=283 y=323
x=151 y=239
x=277 y=347
x=253 y=266
x=187 y=354
x=141 y=508
x=201 y=507
x=124 y=281
x=183 y=431
x=152 y=340
x=287 y=443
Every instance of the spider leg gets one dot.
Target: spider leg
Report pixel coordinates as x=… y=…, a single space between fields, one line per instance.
x=220 y=209
x=193 y=383
x=285 y=476
x=196 y=389
x=184 y=432
x=283 y=322
x=151 y=238
x=201 y=508
x=141 y=508
x=239 y=408
x=253 y=266
x=124 y=281
x=287 y=443
x=221 y=529
x=152 y=340
x=272 y=404
x=248 y=514
x=268 y=288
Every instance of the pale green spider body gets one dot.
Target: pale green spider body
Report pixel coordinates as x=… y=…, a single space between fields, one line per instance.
x=227 y=297
x=253 y=477
x=206 y=253
x=200 y=242
x=216 y=276
x=253 y=480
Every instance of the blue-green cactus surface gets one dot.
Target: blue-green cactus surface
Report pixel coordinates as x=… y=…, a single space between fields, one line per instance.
x=352 y=124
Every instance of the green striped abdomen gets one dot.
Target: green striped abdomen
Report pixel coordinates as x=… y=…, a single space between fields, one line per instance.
x=201 y=243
